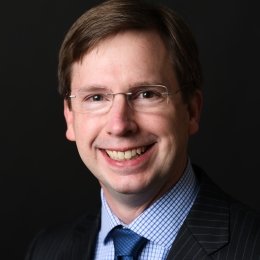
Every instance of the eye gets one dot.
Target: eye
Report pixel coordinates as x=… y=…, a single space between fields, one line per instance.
x=147 y=94
x=93 y=98
x=97 y=97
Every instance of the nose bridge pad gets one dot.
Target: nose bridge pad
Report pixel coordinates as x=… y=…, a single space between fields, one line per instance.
x=126 y=96
x=167 y=99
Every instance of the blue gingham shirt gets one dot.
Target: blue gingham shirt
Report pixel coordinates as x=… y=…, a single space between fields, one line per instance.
x=159 y=223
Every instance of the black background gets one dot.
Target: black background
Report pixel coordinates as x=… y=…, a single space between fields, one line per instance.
x=42 y=177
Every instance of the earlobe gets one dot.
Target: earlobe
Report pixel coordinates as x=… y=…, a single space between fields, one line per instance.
x=69 y=121
x=195 y=107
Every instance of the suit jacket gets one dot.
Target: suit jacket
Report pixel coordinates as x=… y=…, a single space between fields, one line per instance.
x=217 y=227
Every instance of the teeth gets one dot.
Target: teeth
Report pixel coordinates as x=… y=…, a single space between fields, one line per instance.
x=138 y=151
x=127 y=155
x=121 y=155
x=133 y=152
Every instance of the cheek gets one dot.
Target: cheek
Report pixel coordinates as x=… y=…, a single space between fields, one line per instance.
x=86 y=131
x=173 y=132
x=169 y=123
x=164 y=127
x=173 y=127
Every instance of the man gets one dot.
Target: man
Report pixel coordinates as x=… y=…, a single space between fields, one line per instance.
x=131 y=81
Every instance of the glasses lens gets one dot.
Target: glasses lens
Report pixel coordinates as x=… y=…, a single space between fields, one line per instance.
x=98 y=100
x=147 y=98
x=91 y=100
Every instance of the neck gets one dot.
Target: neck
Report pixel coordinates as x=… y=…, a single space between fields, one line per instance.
x=128 y=207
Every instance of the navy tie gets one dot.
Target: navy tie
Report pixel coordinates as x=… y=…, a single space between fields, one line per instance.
x=127 y=243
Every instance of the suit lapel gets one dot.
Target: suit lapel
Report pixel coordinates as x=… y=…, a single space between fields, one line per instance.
x=206 y=228
x=88 y=231
x=83 y=239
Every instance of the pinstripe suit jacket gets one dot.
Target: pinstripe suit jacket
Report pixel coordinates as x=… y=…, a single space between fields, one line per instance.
x=217 y=227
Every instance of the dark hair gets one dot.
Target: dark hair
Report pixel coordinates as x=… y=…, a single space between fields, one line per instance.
x=114 y=16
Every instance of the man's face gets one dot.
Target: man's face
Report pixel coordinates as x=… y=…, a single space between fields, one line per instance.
x=129 y=59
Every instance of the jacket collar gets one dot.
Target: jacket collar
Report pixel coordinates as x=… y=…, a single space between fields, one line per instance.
x=206 y=228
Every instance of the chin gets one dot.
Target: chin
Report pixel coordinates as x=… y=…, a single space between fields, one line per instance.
x=129 y=187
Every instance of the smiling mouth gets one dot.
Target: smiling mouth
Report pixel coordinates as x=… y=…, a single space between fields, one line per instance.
x=127 y=155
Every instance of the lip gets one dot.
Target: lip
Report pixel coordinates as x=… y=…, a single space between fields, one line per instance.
x=134 y=162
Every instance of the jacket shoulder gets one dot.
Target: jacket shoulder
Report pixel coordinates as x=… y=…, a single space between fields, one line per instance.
x=239 y=223
x=70 y=240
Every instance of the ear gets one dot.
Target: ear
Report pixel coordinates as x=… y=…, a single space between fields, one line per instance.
x=68 y=114
x=195 y=107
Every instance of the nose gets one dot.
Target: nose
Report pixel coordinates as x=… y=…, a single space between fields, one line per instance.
x=120 y=118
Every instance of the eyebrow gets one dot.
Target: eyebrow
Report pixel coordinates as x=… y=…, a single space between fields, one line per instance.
x=146 y=83
x=93 y=88
x=98 y=87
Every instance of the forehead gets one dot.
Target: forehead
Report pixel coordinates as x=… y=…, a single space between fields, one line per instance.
x=124 y=58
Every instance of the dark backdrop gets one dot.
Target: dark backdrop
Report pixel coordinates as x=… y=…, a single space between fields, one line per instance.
x=42 y=178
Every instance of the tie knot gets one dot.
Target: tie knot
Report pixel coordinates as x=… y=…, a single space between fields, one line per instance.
x=127 y=243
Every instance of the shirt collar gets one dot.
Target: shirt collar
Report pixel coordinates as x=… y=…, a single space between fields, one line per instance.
x=162 y=220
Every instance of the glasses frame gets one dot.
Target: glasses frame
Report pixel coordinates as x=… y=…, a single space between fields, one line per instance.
x=129 y=94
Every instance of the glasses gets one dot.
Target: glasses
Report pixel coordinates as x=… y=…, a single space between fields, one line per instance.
x=99 y=101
